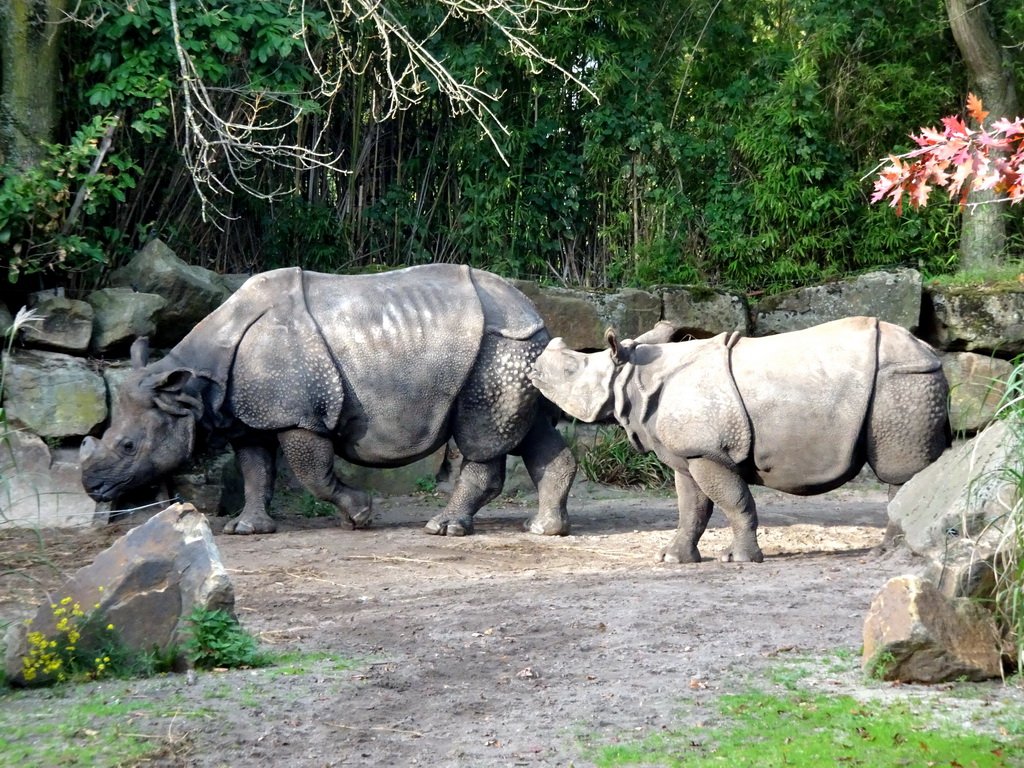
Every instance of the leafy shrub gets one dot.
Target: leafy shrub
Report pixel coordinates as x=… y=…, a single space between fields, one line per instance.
x=218 y=640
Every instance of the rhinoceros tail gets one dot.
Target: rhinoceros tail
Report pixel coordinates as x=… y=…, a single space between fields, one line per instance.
x=507 y=311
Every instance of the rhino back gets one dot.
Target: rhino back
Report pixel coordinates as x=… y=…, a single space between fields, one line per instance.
x=404 y=342
x=806 y=394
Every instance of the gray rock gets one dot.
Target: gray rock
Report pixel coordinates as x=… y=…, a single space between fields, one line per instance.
x=212 y=483
x=6 y=320
x=60 y=323
x=570 y=314
x=145 y=584
x=893 y=296
x=977 y=384
x=915 y=634
x=121 y=315
x=953 y=513
x=702 y=313
x=975 y=319
x=53 y=394
x=41 y=487
x=191 y=292
x=233 y=281
x=581 y=317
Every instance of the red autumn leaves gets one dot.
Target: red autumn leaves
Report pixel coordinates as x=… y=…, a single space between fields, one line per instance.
x=958 y=159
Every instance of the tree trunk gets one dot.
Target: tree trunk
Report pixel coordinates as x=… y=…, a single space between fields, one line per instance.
x=983 y=235
x=29 y=78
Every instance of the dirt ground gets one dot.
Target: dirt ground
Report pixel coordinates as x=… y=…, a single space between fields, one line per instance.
x=503 y=648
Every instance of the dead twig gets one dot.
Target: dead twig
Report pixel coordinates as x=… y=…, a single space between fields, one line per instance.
x=414 y=734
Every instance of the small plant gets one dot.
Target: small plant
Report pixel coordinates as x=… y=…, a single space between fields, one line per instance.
x=426 y=484
x=310 y=506
x=85 y=646
x=613 y=460
x=218 y=640
x=879 y=665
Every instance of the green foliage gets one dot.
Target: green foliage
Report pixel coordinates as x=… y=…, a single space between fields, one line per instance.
x=218 y=640
x=811 y=731
x=426 y=484
x=729 y=144
x=612 y=460
x=35 y=204
x=310 y=506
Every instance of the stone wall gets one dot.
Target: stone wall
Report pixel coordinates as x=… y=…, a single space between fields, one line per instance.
x=61 y=376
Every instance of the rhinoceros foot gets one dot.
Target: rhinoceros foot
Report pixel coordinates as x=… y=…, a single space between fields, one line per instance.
x=735 y=554
x=679 y=553
x=548 y=525
x=360 y=516
x=442 y=525
x=248 y=524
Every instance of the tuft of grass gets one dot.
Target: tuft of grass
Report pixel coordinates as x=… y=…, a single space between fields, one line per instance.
x=612 y=460
x=1005 y=277
x=794 y=730
x=1009 y=561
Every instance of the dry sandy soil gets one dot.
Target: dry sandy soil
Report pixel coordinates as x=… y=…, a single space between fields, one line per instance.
x=507 y=649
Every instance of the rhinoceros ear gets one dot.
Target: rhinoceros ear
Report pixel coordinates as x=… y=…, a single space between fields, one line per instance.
x=169 y=395
x=140 y=352
x=619 y=352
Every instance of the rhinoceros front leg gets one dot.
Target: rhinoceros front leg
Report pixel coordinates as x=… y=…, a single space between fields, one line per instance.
x=478 y=483
x=694 y=512
x=552 y=468
x=311 y=457
x=256 y=461
x=727 y=489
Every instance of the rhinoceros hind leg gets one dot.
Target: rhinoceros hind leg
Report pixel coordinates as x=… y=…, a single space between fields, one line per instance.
x=311 y=458
x=478 y=483
x=727 y=489
x=552 y=468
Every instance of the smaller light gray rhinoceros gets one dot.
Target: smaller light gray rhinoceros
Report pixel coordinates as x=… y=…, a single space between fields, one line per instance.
x=379 y=369
x=800 y=412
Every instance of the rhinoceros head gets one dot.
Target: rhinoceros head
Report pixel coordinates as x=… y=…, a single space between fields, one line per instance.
x=153 y=431
x=577 y=382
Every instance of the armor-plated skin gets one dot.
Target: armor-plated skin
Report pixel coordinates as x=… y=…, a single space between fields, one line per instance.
x=378 y=369
x=800 y=412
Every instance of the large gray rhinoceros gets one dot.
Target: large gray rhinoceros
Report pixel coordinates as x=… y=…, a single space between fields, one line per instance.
x=379 y=369
x=799 y=412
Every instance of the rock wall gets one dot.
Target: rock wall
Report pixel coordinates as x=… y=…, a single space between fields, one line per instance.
x=60 y=379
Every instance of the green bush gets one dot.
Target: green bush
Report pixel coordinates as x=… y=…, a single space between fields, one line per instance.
x=218 y=640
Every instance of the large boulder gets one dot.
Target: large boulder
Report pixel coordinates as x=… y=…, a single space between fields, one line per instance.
x=977 y=384
x=60 y=323
x=975 y=319
x=121 y=315
x=581 y=317
x=191 y=292
x=893 y=296
x=954 y=513
x=53 y=394
x=145 y=585
x=702 y=312
x=915 y=634
x=41 y=486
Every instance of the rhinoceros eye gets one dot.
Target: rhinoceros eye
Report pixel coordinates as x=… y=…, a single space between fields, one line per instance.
x=128 y=446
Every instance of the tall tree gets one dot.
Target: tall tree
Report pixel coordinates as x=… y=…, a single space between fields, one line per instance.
x=30 y=32
x=991 y=78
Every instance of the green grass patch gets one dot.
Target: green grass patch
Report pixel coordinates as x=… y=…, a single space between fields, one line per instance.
x=795 y=730
x=611 y=459
x=96 y=730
